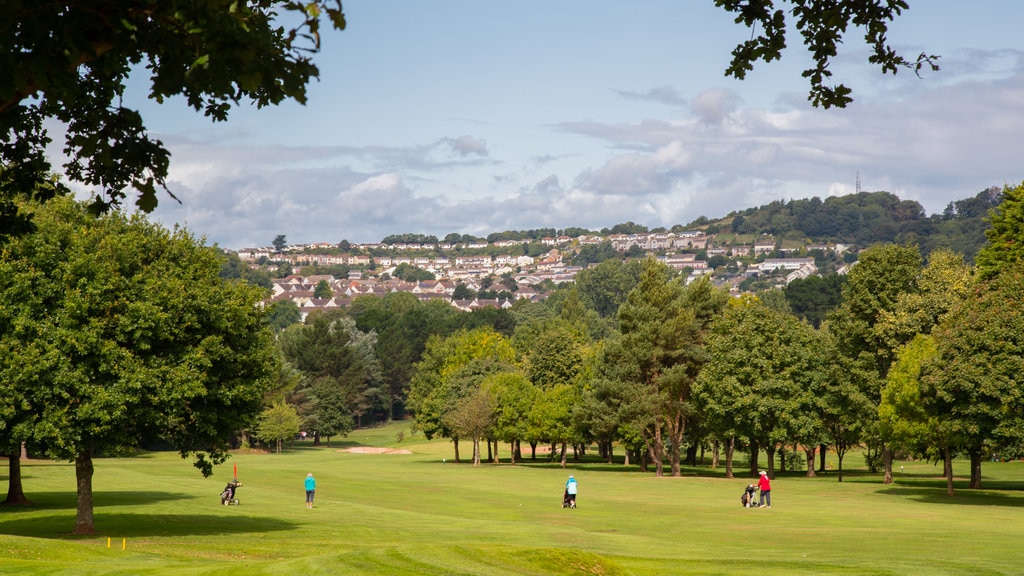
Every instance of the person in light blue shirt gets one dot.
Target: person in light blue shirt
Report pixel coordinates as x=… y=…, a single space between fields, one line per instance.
x=569 y=501
x=310 y=490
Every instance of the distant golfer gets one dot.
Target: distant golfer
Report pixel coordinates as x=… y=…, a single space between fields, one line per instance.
x=310 y=490
x=569 y=497
x=765 y=486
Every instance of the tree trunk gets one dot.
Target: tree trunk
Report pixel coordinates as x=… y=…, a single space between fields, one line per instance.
x=770 y=450
x=822 y=451
x=533 y=447
x=754 y=454
x=455 y=440
x=490 y=454
x=611 y=452
x=730 y=445
x=839 y=457
x=564 y=454
x=476 y=451
x=886 y=464
x=83 y=478
x=975 y=454
x=658 y=452
x=716 y=447
x=809 y=452
x=512 y=452
x=15 y=495
x=947 y=463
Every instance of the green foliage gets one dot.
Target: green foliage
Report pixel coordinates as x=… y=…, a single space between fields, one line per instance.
x=70 y=63
x=972 y=387
x=604 y=287
x=874 y=286
x=411 y=273
x=812 y=298
x=322 y=290
x=121 y=333
x=282 y=314
x=822 y=27
x=276 y=423
x=1005 y=247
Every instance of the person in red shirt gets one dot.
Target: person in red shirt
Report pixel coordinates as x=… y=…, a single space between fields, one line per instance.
x=765 y=487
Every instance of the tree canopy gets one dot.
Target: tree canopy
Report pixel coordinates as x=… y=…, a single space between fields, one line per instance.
x=70 y=61
x=115 y=332
x=822 y=26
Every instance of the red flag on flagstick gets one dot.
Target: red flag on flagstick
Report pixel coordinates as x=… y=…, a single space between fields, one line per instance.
x=236 y=470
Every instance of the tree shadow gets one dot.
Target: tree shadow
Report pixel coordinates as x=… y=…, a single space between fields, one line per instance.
x=144 y=525
x=66 y=500
x=962 y=495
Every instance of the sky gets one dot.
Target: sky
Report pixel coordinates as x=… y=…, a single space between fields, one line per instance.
x=434 y=117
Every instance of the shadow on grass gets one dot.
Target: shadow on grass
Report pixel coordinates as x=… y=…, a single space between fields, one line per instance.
x=66 y=500
x=962 y=496
x=144 y=525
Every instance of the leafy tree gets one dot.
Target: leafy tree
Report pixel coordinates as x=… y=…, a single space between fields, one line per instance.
x=70 y=62
x=662 y=329
x=874 y=286
x=330 y=347
x=331 y=414
x=282 y=314
x=972 y=388
x=764 y=369
x=472 y=417
x=903 y=419
x=126 y=334
x=451 y=369
x=322 y=290
x=276 y=423
x=514 y=396
x=462 y=292
x=822 y=27
x=1004 y=246
x=604 y=287
x=232 y=267
x=813 y=297
x=279 y=243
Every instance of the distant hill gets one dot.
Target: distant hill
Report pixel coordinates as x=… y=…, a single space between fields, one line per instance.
x=867 y=218
x=859 y=220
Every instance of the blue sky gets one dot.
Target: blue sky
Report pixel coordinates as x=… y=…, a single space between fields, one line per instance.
x=445 y=116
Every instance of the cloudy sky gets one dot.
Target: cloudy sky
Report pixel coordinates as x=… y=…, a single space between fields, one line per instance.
x=443 y=116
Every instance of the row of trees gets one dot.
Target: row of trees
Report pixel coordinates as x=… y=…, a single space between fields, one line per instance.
x=921 y=357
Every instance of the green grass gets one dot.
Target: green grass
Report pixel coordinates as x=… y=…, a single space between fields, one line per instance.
x=413 y=514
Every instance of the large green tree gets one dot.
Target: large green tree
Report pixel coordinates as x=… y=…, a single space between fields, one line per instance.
x=765 y=367
x=121 y=332
x=973 y=387
x=663 y=325
x=874 y=287
x=70 y=62
x=451 y=370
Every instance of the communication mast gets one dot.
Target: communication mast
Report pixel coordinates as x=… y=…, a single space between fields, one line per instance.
x=858 y=181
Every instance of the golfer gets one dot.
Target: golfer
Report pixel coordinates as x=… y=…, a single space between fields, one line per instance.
x=310 y=490
x=765 y=486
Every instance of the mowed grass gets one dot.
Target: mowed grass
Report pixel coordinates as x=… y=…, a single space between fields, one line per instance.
x=413 y=514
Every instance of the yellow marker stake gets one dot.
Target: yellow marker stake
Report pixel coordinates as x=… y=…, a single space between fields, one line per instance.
x=124 y=543
x=108 y=542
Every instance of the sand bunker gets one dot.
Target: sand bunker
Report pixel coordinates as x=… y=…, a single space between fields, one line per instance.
x=372 y=450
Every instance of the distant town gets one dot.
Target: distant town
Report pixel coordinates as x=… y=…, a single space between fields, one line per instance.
x=478 y=274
